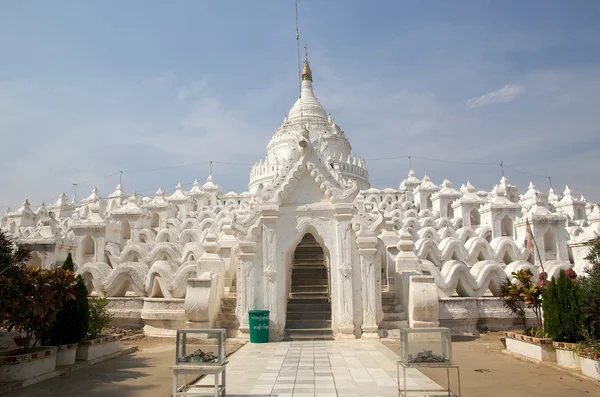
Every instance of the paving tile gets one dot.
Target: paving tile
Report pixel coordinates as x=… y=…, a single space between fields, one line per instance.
x=318 y=369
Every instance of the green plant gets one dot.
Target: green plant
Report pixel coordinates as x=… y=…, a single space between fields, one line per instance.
x=561 y=302
x=99 y=317
x=72 y=322
x=42 y=293
x=590 y=287
x=589 y=347
x=522 y=294
x=13 y=258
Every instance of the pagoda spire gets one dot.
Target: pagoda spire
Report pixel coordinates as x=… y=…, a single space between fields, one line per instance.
x=306 y=72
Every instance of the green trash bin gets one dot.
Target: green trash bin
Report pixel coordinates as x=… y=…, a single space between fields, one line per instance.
x=258 y=320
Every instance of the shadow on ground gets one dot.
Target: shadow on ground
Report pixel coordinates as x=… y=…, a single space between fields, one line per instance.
x=132 y=375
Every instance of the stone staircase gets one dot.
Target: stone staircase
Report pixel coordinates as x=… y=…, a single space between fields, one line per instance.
x=309 y=310
x=227 y=318
x=394 y=316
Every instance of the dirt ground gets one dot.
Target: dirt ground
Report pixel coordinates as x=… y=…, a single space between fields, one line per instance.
x=487 y=372
x=143 y=373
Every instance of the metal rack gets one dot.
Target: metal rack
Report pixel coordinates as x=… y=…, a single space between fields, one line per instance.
x=403 y=392
x=186 y=366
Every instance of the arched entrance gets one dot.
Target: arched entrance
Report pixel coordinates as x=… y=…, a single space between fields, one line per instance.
x=309 y=308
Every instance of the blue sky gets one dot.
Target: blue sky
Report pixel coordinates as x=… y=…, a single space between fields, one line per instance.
x=90 y=88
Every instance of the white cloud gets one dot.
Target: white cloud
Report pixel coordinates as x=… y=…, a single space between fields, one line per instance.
x=508 y=93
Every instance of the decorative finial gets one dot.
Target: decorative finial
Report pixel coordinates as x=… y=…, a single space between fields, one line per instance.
x=306 y=72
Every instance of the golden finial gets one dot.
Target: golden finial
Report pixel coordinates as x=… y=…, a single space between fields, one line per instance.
x=306 y=72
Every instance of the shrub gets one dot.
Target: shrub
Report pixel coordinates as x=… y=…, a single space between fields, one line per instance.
x=13 y=258
x=590 y=288
x=42 y=293
x=563 y=316
x=589 y=347
x=99 y=317
x=522 y=294
x=72 y=322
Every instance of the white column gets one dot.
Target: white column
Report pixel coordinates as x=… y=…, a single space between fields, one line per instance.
x=245 y=286
x=370 y=296
x=269 y=240
x=344 y=266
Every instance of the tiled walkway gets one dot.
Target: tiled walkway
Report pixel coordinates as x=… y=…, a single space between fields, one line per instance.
x=316 y=369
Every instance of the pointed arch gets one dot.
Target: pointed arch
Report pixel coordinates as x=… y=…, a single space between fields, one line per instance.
x=550 y=249
x=506 y=226
x=155 y=221
x=449 y=211
x=125 y=231
x=475 y=218
x=88 y=249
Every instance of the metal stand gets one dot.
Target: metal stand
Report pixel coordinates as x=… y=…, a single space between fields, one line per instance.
x=403 y=392
x=199 y=370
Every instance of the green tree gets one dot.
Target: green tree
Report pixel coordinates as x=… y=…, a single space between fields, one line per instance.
x=562 y=303
x=73 y=320
x=590 y=286
x=13 y=258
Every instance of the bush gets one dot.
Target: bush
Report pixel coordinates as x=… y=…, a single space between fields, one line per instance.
x=72 y=322
x=563 y=316
x=13 y=258
x=42 y=293
x=522 y=294
x=99 y=317
x=590 y=289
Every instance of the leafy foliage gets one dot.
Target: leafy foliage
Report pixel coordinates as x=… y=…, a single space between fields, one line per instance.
x=590 y=346
x=13 y=257
x=562 y=301
x=590 y=287
x=522 y=294
x=99 y=317
x=73 y=321
x=42 y=294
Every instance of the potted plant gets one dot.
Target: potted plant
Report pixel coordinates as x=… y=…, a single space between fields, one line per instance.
x=72 y=322
x=563 y=317
x=520 y=296
x=98 y=345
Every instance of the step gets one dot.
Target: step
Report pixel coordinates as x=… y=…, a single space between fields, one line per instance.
x=310 y=259
x=389 y=333
x=227 y=316
x=228 y=326
x=310 y=268
x=307 y=324
x=319 y=306
x=394 y=316
x=393 y=324
x=317 y=315
x=391 y=308
x=308 y=295
x=309 y=334
x=317 y=288
x=310 y=284
x=310 y=276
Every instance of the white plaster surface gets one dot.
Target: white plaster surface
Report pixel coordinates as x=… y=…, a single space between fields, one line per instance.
x=590 y=368
x=28 y=369
x=544 y=352
x=317 y=368
x=64 y=356
x=87 y=353
x=567 y=358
